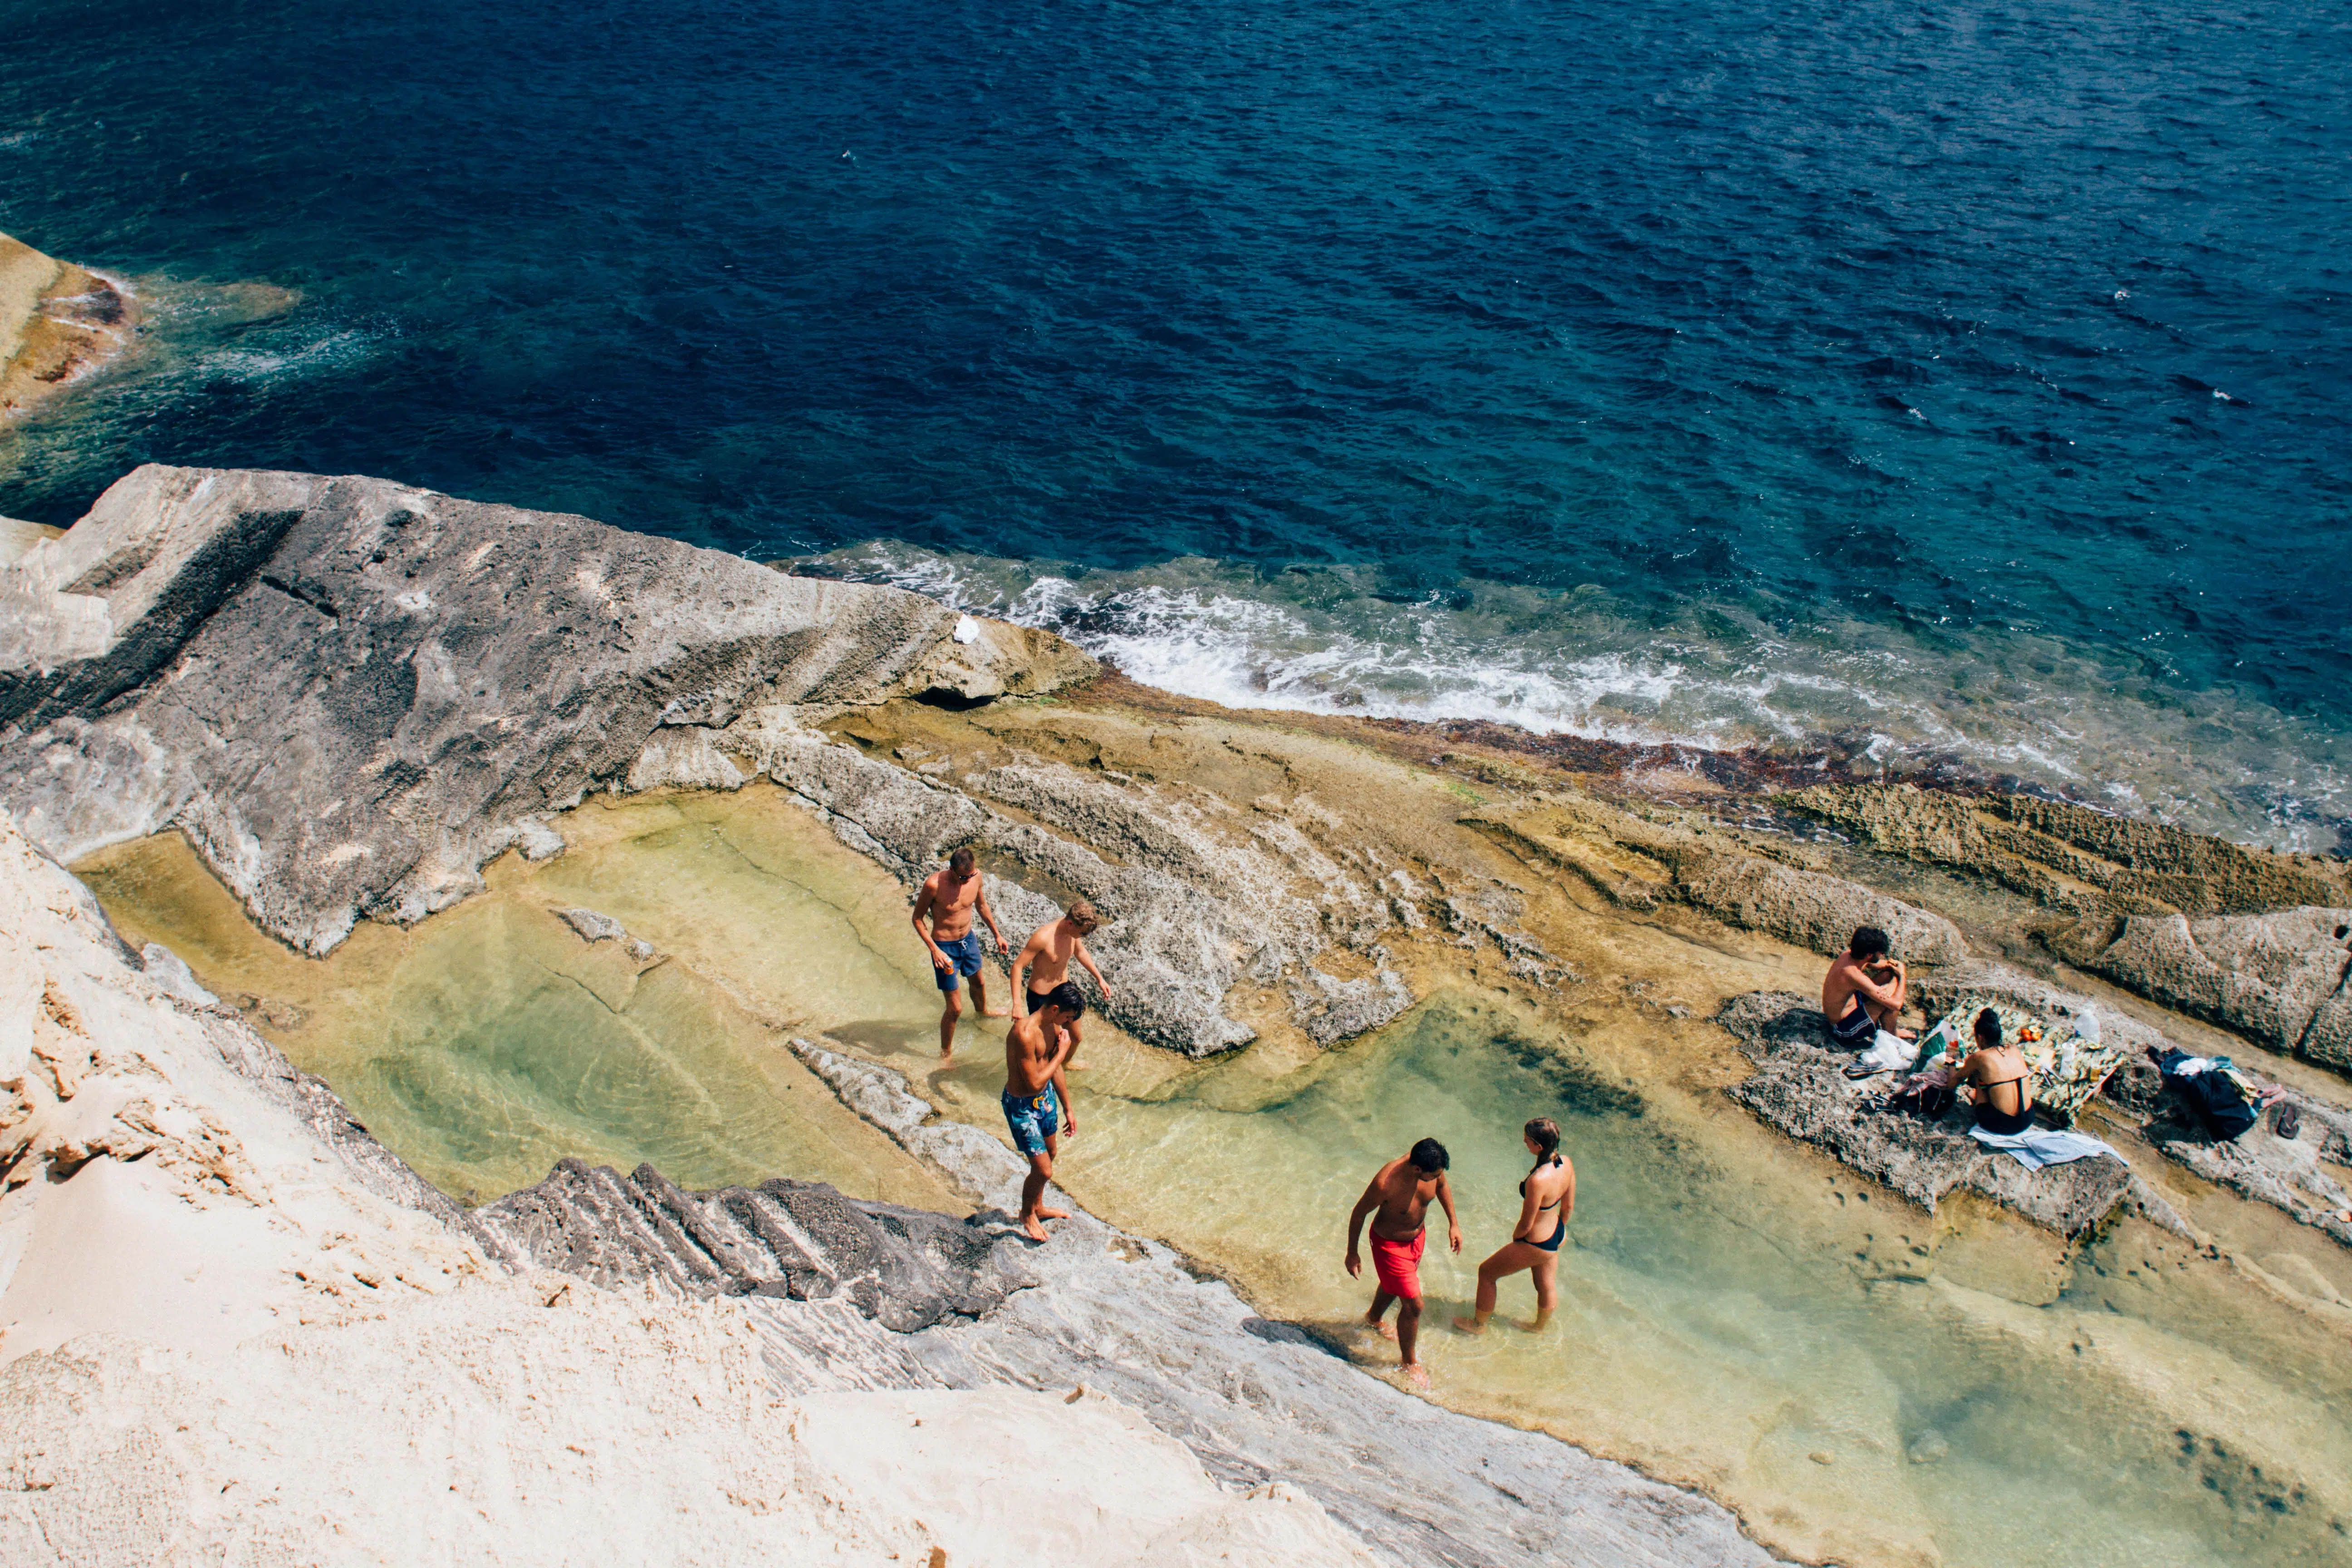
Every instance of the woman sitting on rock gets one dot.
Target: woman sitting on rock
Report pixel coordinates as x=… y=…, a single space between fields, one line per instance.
x=1998 y=1080
x=1546 y=1197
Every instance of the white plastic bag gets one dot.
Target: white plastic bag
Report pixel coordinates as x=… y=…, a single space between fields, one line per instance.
x=1887 y=1053
x=2085 y=1037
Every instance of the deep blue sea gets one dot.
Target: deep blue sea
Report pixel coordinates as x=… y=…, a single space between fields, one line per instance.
x=1896 y=379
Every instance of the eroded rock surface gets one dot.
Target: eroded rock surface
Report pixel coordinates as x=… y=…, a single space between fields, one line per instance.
x=802 y=1240
x=2279 y=979
x=1639 y=863
x=1802 y=1089
x=350 y=694
x=58 y=321
x=1186 y=913
x=2071 y=858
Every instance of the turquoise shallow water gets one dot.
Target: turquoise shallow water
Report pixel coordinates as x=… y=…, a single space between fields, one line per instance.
x=1721 y=1320
x=1738 y=1312
x=1877 y=379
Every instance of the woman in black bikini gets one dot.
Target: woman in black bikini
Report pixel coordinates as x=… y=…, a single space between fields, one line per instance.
x=1546 y=1197
x=1997 y=1077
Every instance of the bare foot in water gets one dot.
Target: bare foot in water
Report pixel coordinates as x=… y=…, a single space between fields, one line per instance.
x=1416 y=1374
x=997 y=1012
x=1468 y=1326
x=1386 y=1330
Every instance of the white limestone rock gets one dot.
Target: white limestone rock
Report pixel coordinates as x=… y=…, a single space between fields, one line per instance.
x=350 y=694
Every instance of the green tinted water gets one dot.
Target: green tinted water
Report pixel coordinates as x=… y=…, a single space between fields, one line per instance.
x=1736 y=1313
x=490 y=1041
x=1735 y=1318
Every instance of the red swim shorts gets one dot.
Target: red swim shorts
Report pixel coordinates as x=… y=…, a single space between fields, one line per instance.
x=1397 y=1264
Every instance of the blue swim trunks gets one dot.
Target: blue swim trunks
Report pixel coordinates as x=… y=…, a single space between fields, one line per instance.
x=963 y=959
x=1033 y=1118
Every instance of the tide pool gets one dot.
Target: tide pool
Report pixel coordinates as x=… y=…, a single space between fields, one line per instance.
x=1862 y=1381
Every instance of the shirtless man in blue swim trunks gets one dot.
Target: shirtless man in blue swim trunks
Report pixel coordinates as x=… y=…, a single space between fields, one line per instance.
x=1036 y=1100
x=949 y=898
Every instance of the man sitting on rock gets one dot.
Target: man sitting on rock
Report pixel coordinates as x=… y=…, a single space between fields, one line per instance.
x=1401 y=1194
x=949 y=898
x=1865 y=991
x=1036 y=1049
x=1046 y=962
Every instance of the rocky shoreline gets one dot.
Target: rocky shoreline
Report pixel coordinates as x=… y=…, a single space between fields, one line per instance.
x=352 y=696
x=57 y=323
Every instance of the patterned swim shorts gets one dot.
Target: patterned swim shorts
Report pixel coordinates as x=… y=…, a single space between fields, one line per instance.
x=1033 y=1118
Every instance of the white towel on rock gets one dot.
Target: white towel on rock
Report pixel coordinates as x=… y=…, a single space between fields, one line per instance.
x=2039 y=1146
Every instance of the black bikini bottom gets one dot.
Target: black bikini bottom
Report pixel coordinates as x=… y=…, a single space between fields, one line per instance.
x=2006 y=1126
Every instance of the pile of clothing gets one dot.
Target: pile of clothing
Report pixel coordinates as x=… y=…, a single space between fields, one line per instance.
x=2226 y=1100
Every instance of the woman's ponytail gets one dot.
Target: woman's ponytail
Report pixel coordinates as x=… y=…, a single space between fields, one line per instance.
x=1546 y=1133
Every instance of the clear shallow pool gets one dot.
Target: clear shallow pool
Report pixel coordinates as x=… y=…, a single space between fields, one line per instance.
x=491 y=1041
x=1737 y=1314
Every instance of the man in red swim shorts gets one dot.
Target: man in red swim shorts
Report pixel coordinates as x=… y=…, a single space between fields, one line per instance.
x=1397 y=1199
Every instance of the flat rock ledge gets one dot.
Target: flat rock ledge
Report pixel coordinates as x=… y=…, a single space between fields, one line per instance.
x=1642 y=861
x=867 y=1295
x=2256 y=940
x=352 y=694
x=1800 y=1088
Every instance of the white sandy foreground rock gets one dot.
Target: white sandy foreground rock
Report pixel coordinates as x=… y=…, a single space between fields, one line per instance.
x=221 y=1342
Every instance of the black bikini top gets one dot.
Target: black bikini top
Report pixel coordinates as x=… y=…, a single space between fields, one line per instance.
x=1554 y=1161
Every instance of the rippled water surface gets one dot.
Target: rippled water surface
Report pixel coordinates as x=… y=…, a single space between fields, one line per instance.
x=1863 y=1381
x=1881 y=377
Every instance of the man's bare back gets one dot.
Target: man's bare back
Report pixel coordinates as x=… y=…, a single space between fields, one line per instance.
x=1045 y=963
x=1864 y=991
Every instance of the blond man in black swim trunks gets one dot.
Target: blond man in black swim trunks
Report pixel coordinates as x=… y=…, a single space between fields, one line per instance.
x=1865 y=991
x=1045 y=963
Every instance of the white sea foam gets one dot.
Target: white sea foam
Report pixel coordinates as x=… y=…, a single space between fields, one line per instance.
x=1716 y=678
x=337 y=349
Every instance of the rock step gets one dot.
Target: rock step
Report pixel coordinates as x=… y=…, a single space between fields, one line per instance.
x=804 y=1240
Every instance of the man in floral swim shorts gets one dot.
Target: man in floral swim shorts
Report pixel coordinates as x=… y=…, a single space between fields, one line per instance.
x=1036 y=1100
x=1397 y=1200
